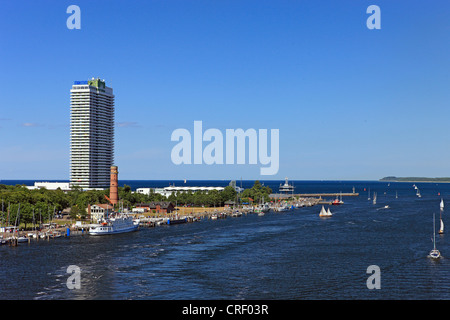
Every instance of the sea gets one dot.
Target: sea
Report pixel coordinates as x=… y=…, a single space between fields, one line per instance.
x=293 y=255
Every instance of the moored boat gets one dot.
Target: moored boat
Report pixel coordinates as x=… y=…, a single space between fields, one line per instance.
x=117 y=224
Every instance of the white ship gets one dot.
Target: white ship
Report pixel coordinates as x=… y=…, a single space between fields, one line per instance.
x=286 y=188
x=117 y=224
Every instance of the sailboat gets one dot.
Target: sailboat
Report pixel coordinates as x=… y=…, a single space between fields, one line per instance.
x=441 y=230
x=368 y=195
x=374 y=198
x=325 y=213
x=329 y=213
x=396 y=195
x=435 y=254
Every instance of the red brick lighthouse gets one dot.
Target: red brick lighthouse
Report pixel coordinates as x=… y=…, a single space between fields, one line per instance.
x=114 y=185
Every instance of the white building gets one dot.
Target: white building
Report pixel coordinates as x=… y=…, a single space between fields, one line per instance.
x=91 y=133
x=64 y=186
x=167 y=191
x=99 y=211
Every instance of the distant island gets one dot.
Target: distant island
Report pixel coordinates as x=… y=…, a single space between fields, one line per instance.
x=415 y=179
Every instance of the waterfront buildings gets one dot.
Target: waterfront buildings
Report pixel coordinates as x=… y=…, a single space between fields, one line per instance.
x=91 y=134
x=157 y=207
x=167 y=191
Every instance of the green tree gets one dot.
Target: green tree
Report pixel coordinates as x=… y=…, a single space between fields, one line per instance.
x=228 y=194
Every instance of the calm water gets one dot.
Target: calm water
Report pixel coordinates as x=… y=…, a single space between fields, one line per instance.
x=291 y=255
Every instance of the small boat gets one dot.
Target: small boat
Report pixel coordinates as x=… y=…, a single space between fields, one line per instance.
x=374 y=198
x=55 y=234
x=176 y=221
x=283 y=208
x=3 y=241
x=22 y=239
x=325 y=213
x=337 y=201
x=441 y=230
x=434 y=254
x=236 y=214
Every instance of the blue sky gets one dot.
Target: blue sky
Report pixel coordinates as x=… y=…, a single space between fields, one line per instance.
x=350 y=103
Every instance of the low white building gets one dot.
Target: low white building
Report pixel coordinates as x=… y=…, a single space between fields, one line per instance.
x=64 y=186
x=167 y=191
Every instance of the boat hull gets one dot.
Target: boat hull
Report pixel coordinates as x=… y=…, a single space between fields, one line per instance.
x=101 y=231
x=435 y=254
x=176 y=221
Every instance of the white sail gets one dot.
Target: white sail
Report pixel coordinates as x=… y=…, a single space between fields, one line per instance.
x=441 y=230
x=442 y=204
x=329 y=212
x=323 y=212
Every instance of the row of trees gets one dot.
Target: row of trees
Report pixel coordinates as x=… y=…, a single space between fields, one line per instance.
x=256 y=194
x=203 y=198
x=22 y=205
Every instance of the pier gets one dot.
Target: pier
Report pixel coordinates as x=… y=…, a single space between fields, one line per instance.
x=318 y=195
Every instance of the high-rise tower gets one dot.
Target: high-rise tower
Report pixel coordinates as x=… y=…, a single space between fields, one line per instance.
x=91 y=133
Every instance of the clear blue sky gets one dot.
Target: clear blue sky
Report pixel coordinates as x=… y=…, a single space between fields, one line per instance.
x=350 y=103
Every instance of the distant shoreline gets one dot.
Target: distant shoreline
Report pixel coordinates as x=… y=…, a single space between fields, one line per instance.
x=415 y=179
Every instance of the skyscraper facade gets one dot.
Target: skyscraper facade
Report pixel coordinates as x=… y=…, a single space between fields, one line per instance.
x=91 y=134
